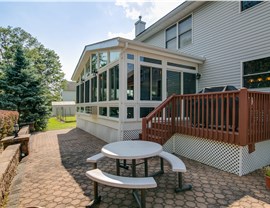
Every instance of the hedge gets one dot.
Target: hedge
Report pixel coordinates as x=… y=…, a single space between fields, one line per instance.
x=7 y=121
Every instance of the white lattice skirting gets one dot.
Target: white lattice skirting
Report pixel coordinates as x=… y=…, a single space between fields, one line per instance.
x=231 y=158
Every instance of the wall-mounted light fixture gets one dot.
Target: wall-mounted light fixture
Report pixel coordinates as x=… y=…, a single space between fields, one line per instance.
x=198 y=75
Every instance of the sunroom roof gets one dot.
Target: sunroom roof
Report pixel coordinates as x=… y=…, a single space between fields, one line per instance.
x=131 y=44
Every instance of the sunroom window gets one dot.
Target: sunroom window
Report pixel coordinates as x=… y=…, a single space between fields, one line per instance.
x=87 y=87
x=130 y=81
x=103 y=59
x=94 y=89
x=93 y=63
x=103 y=86
x=103 y=111
x=78 y=94
x=151 y=83
x=87 y=67
x=114 y=112
x=82 y=93
x=114 y=55
x=185 y=32
x=114 y=83
x=256 y=73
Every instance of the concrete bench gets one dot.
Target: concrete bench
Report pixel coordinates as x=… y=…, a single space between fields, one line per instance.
x=178 y=166
x=95 y=158
x=99 y=176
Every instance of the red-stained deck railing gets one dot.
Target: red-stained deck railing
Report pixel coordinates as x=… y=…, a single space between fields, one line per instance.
x=236 y=117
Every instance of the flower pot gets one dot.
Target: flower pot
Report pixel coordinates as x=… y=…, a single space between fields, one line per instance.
x=267 y=181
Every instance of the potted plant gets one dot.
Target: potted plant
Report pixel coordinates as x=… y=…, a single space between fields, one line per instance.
x=267 y=176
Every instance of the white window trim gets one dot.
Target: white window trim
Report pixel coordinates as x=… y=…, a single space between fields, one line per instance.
x=177 y=35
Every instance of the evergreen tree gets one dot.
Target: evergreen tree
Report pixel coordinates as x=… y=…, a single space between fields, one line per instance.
x=22 y=89
x=45 y=61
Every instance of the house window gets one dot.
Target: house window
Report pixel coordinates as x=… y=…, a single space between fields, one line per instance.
x=93 y=63
x=185 y=32
x=82 y=93
x=130 y=112
x=78 y=94
x=171 y=37
x=150 y=60
x=114 y=112
x=103 y=111
x=151 y=83
x=103 y=59
x=144 y=111
x=130 y=81
x=103 y=86
x=114 y=83
x=256 y=73
x=87 y=87
x=248 y=4
x=94 y=89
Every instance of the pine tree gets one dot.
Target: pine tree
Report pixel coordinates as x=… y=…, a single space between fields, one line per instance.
x=21 y=89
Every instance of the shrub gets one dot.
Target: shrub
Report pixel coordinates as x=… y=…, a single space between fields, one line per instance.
x=7 y=121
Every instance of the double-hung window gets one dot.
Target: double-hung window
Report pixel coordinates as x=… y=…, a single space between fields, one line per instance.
x=171 y=37
x=185 y=32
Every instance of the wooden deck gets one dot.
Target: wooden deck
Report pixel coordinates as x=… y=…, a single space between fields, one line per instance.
x=239 y=117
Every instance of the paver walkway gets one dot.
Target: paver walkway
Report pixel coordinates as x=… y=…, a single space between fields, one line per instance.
x=53 y=175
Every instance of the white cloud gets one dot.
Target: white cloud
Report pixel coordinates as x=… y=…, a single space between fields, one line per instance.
x=150 y=10
x=128 y=35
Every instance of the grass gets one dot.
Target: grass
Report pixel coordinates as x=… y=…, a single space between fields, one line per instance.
x=54 y=124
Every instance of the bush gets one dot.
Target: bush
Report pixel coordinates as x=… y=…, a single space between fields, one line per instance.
x=7 y=121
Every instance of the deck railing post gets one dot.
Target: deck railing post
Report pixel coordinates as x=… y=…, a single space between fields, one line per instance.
x=243 y=117
x=173 y=114
x=144 y=130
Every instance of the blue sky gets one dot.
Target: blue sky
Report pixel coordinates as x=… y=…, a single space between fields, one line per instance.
x=66 y=27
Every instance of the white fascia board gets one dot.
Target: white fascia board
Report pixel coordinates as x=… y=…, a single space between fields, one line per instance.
x=172 y=17
x=96 y=46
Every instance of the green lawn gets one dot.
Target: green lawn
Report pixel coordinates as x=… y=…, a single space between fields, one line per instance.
x=54 y=124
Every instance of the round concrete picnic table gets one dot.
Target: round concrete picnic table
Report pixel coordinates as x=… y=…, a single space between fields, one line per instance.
x=131 y=150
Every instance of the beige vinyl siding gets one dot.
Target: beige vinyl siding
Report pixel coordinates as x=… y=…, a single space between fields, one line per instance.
x=157 y=40
x=226 y=37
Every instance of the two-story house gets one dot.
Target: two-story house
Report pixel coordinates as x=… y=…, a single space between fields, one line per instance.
x=197 y=45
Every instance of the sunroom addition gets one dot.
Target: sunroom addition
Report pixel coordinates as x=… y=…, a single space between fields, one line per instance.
x=119 y=81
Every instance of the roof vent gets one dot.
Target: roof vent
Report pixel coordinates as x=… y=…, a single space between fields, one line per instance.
x=139 y=26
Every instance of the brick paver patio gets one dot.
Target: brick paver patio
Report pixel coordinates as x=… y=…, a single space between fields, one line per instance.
x=53 y=175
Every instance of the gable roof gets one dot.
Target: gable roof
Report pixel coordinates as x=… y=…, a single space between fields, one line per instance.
x=172 y=17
